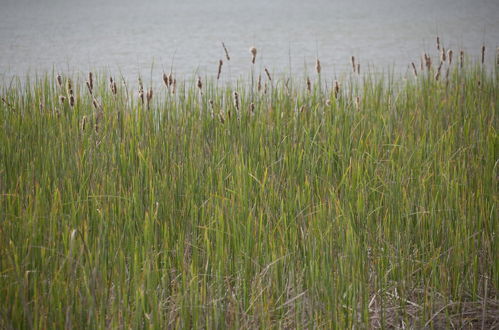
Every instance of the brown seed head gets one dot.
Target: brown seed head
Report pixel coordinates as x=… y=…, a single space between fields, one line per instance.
x=226 y=52
x=268 y=74
x=220 y=63
x=318 y=66
x=253 y=54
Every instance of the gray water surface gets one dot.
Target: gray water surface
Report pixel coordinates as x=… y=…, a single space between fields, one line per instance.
x=129 y=36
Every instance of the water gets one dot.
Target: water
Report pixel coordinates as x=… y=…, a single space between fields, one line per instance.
x=129 y=36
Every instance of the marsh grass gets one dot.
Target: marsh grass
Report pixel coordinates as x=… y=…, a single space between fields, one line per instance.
x=369 y=203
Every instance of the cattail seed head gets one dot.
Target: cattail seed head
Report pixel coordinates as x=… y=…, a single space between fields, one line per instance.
x=437 y=74
x=309 y=85
x=165 y=80
x=318 y=66
x=83 y=123
x=174 y=84
x=461 y=59
x=259 y=85
x=450 y=53
x=149 y=97
x=253 y=54
x=90 y=81
x=336 y=89
x=357 y=102
x=438 y=43
x=171 y=80
x=112 y=86
x=59 y=80
x=353 y=64
x=252 y=107
x=69 y=87
x=483 y=54
x=199 y=83
x=443 y=55
x=71 y=100
x=62 y=99
x=226 y=52
x=236 y=100
x=414 y=69
x=89 y=87
x=220 y=63
x=268 y=74
x=358 y=68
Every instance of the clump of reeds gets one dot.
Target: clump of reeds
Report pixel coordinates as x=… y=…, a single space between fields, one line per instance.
x=253 y=54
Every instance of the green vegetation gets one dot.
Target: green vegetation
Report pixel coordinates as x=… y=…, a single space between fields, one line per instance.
x=371 y=203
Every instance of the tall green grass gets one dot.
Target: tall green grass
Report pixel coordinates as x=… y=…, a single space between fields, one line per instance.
x=374 y=208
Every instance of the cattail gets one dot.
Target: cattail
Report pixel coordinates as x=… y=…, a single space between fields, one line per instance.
x=422 y=63
x=236 y=101
x=438 y=43
x=318 y=66
x=358 y=68
x=226 y=52
x=461 y=59
x=71 y=100
x=259 y=85
x=96 y=105
x=353 y=64
x=253 y=54
x=497 y=56
x=112 y=86
x=199 y=83
x=220 y=63
x=171 y=80
x=442 y=55
x=428 y=62
x=59 y=80
x=336 y=89
x=90 y=81
x=252 y=108
x=41 y=107
x=165 y=80
x=141 y=91
x=83 y=123
x=149 y=96
x=265 y=88
x=309 y=85
x=268 y=74
x=483 y=54
x=449 y=56
x=62 y=98
x=174 y=84
x=437 y=75
x=414 y=69
x=89 y=86
x=69 y=87
x=212 y=107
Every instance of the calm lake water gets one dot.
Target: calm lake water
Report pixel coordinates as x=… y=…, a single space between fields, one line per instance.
x=128 y=36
